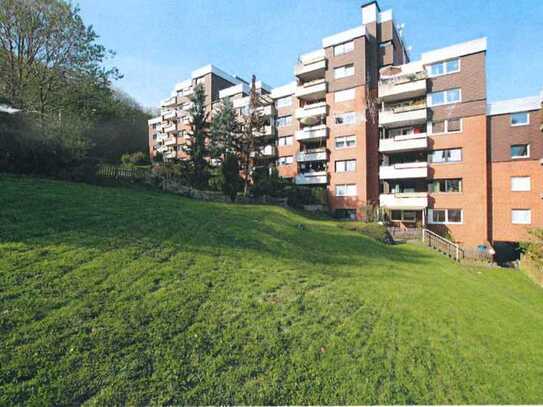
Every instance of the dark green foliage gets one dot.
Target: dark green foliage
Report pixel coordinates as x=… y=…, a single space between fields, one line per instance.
x=231 y=180
x=374 y=230
x=111 y=296
x=268 y=183
x=134 y=159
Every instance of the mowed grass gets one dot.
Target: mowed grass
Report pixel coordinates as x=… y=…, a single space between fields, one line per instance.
x=116 y=296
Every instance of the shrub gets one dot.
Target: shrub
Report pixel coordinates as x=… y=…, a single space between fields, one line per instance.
x=133 y=159
x=375 y=231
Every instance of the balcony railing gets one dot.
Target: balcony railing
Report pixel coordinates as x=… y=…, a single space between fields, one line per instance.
x=403 y=115
x=170 y=141
x=312 y=90
x=169 y=129
x=317 y=154
x=415 y=141
x=311 y=178
x=311 y=110
x=312 y=133
x=311 y=65
x=266 y=131
x=404 y=170
x=171 y=115
x=404 y=200
x=402 y=86
x=169 y=102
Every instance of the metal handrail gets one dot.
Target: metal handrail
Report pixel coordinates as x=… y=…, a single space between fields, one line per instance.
x=438 y=242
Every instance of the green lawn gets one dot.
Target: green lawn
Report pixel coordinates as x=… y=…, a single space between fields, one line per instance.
x=116 y=296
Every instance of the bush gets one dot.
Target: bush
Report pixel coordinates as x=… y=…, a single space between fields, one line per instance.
x=375 y=231
x=132 y=159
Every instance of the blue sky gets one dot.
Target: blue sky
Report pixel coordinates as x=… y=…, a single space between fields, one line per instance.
x=159 y=42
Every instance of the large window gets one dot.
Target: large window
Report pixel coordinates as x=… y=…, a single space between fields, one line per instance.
x=284 y=102
x=345 y=142
x=285 y=141
x=446 y=156
x=520 y=151
x=444 y=97
x=520 y=184
x=403 y=216
x=346 y=190
x=343 y=71
x=283 y=121
x=447 y=126
x=346 y=166
x=521 y=216
x=445 y=216
x=344 y=95
x=343 y=48
x=444 y=67
x=346 y=118
x=285 y=160
x=445 y=185
x=520 y=119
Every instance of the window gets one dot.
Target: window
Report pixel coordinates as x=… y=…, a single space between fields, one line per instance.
x=403 y=216
x=343 y=48
x=345 y=213
x=447 y=126
x=283 y=121
x=345 y=142
x=445 y=185
x=444 y=67
x=343 y=71
x=445 y=216
x=520 y=119
x=521 y=216
x=346 y=166
x=344 y=95
x=446 y=156
x=444 y=97
x=346 y=118
x=520 y=151
x=284 y=102
x=285 y=160
x=346 y=190
x=520 y=184
x=285 y=141
x=154 y=136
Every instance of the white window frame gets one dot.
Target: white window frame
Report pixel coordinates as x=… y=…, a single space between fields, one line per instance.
x=344 y=48
x=446 y=222
x=288 y=122
x=445 y=70
x=519 y=124
x=285 y=101
x=345 y=139
x=343 y=68
x=430 y=126
x=446 y=101
x=431 y=161
x=344 y=164
x=529 y=211
x=284 y=160
x=288 y=140
x=521 y=187
x=346 y=187
x=520 y=157
x=344 y=95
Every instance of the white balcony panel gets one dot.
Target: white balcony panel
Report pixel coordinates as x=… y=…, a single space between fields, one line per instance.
x=312 y=133
x=312 y=90
x=418 y=141
x=169 y=102
x=405 y=170
x=170 y=142
x=172 y=114
x=310 y=70
x=266 y=131
x=314 y=178
x=312 y=155
x=405 y=200
x=401 y=89
x=170 y=154
x=170 y=128
x=403 y=117
x=314 y=110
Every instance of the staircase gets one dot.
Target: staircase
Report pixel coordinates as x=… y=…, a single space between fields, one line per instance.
x=442 y=245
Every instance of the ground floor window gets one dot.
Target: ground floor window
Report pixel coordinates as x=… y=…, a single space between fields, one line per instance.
x=403 y=216
x=344 y=213
x=521 y=216
x=445 y=216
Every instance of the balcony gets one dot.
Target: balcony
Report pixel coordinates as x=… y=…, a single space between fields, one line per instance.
x=170 y=141
x=404 y=200
x=169 y=102
x=316 y=154
x=404 y=115
x=415 y=141
x=311 y=66
x=404 y=170
x=403 y=86
x=266 y=110
x=313 y=90
x=170 y=115
x=313 y=133
x=309 y=114
x=266 y=131
x=311 y=178
x=170 y=128
x=170 y=154
x=268 y=151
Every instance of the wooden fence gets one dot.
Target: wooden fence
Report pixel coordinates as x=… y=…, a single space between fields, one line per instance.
x=118 y=172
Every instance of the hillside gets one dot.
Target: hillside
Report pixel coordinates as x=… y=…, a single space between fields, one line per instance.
x=116 y=296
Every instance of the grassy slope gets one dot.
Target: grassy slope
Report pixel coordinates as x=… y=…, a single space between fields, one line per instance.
x=117 y=296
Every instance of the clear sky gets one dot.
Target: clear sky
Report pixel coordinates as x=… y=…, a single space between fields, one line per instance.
x=159 y=42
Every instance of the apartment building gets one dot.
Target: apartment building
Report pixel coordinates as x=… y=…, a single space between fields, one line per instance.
x=375 y=129
x=516 y=167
